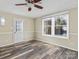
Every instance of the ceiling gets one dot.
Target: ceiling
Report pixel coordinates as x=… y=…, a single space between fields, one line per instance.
x=50 y=6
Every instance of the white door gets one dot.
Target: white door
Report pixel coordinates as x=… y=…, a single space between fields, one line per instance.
x=18 y=31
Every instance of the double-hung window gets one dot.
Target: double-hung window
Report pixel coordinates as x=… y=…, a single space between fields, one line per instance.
x=56 y=26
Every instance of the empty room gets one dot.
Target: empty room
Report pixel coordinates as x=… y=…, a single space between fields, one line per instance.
x=38 y=29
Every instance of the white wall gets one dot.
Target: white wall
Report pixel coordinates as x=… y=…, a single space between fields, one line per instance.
x=29 y=34
x=6 y=36
x=72 y=42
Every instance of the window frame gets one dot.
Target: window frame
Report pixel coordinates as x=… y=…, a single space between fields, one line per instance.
x=43 y=27
x=2 y=21
x=52 y=18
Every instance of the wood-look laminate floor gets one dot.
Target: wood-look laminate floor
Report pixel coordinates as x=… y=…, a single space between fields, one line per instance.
x=41 y=50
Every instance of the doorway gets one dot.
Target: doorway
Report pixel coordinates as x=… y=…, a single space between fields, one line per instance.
x=18 y=31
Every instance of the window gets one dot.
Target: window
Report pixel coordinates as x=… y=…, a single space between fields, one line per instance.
x=19 y=26
x=56 y=26
x=47 y=26
x=2 y=21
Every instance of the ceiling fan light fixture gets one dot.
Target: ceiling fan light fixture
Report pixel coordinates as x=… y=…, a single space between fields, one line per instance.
x=29 y=9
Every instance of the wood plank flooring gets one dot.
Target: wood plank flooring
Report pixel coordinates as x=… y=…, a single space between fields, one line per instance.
x=41 y=50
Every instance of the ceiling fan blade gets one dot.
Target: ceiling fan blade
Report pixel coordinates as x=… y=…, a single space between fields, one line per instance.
x=36 y=1
x=37 y=6
x=21 y=4
x=33 y=1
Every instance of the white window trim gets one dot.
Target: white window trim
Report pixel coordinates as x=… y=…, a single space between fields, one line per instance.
x=52 y=30
x=43 y=27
